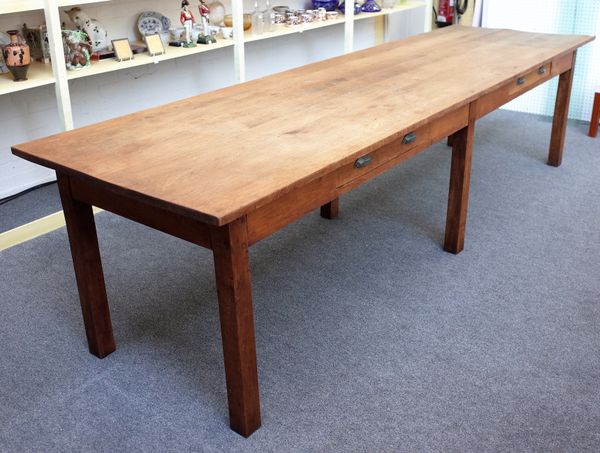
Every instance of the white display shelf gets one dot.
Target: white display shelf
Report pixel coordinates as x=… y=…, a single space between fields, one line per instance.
x=39 y=75
x=387 y=11
x=19 y=6
x=282 y=30
x=109 y=65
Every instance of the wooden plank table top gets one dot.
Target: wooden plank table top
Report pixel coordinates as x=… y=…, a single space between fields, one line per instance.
x=226 y=169
x=218 y=156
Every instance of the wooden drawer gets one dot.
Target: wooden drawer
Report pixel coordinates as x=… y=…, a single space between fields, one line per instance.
x=527 y=81
x=367 y=166
x=516 y=87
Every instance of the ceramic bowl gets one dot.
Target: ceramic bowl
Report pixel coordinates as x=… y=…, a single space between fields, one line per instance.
x=228 y=21
x=281 y=9
x=227 y=32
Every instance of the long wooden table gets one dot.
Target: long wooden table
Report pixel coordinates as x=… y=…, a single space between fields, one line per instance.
x=226 y=169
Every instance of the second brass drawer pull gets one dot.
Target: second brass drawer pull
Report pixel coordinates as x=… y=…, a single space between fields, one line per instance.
x=362 y=162
x=520 y=80
x=409 y=138
x=542 y=70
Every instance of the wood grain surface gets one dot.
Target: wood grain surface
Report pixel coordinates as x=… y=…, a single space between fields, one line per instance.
x=221 y=155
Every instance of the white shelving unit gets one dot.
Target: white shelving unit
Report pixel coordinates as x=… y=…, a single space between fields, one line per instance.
x=56 y=74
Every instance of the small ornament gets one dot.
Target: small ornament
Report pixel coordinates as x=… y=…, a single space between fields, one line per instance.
x=205 y=37
x=188 y=20
x=17 y=57
x=94 y=29
x=78 y=49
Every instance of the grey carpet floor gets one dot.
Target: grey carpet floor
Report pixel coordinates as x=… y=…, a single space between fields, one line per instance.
x=370 y=337
x=29 y=207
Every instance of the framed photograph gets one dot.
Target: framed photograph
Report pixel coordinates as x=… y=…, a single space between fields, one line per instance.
x=123 y=50
x=154 y=44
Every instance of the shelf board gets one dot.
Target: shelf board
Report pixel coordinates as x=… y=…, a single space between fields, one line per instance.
x=19 y=6
x=387 y=11
x=110 y=65
x=39 y=74
x=65 y=3
x=282 y=30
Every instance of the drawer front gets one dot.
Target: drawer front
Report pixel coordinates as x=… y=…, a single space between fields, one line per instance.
x=525 y=82
x=512 y=89
x=417 y=139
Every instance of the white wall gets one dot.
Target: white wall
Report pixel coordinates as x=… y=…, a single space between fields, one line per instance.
x=553 y=16
x=32 y=114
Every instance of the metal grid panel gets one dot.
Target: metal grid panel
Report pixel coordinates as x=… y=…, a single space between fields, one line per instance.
x=554 y=16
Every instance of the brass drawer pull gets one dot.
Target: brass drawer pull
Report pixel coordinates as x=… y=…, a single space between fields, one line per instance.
x=409 y=138
x=520 y=80
x=362 y=162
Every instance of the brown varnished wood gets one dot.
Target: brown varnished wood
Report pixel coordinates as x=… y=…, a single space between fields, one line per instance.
x=175 y=224
x=230 y=249
x=331 y=210
x=593 y=132
x=239 y=160
x=561 y=116
x=449 y=140
x=458 y=196
x=270 y=218
x=88 y=271
x=242 y=176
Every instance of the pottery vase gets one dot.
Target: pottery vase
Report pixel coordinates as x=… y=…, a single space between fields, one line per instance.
x=370 y=6
x=17 y=57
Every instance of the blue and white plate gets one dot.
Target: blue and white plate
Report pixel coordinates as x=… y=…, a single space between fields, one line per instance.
x=152 y=22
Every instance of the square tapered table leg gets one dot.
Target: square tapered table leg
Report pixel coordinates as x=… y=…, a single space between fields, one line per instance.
x=458 y=196
x=561 y=116
x=81 y=229
x=230 y=250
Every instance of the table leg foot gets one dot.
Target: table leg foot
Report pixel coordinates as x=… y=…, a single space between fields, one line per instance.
x=561 y=116
x=88 y=271
x=458 y=196
x=331 y=209
x=230 y=249
x=593 y=132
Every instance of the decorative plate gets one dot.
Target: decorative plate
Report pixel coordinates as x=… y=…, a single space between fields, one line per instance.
x=152 y=22
x=4 y=40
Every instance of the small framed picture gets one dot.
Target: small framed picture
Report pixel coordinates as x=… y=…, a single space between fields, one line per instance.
x=154 y=44
x=123 y=50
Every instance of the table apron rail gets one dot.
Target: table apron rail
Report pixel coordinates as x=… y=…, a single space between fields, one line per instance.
x=521 y=84
x=270 y=218
x=155 y=217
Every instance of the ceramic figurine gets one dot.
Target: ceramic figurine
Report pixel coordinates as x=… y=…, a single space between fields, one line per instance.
x=187 y=19
x=205 y=37
x=17 y=57
x=78 y=49
x=217 y=13
x=94 y=29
